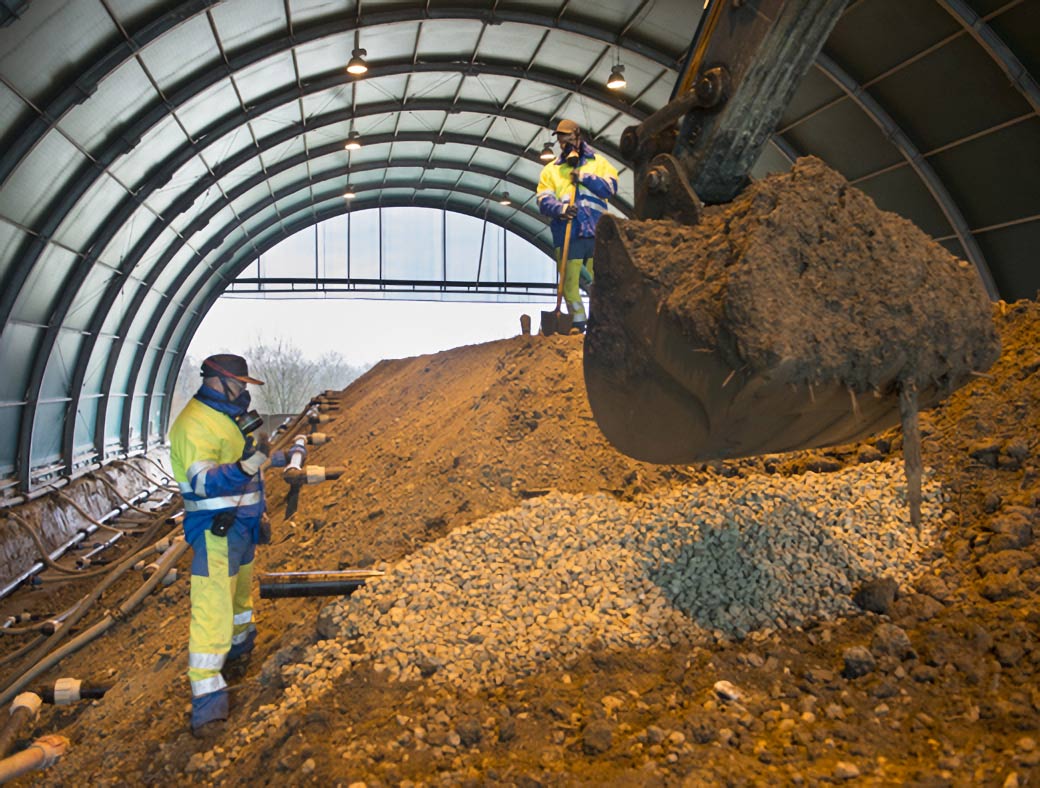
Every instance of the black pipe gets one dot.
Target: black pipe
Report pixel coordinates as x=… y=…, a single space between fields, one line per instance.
x=277 y=585
x=309 y=588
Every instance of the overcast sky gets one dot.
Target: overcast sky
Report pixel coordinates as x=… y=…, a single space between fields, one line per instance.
x=362 y=331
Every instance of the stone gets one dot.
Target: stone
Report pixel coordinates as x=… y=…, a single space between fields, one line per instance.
x=876 y=595
x=858 y=662
x=843 y=770
x=1005 y=561
x=890 y=640
x=726 y=691
x=598 y=737
x=934 y=586
x=998 y=587
x=916 y=607
x=470 y=731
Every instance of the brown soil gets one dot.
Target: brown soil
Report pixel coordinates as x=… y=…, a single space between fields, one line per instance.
x=438 y=441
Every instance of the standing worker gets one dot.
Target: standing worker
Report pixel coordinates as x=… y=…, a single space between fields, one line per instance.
x=574 y=188
x=218 y=470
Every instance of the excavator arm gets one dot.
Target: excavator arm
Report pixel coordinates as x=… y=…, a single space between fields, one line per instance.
x=734 y=319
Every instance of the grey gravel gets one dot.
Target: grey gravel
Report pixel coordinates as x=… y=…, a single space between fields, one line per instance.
x=534 y=586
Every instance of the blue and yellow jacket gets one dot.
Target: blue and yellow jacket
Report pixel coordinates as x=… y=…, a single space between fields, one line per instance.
x=599 y=182
x=205 y=446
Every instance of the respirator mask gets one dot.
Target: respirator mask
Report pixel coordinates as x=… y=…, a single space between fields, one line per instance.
x=248 y=421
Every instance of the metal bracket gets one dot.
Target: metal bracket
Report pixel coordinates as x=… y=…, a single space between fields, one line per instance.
x=665 y=192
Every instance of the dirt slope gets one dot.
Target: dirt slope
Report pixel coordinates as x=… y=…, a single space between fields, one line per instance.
x=438 y=441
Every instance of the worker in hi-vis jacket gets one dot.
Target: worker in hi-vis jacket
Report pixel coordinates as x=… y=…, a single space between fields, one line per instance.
x=217 y=465
x=574 y=188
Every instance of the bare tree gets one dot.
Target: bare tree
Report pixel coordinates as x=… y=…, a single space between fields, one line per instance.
x=291 y=378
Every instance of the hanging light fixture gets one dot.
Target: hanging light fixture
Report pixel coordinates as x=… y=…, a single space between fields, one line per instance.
x=357 y=65
x=353 y=141
x=616 y=80
x=504 y=200
x=349 y=194
x=547 y=152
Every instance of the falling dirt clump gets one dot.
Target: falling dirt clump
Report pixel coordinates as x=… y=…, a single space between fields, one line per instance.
x=921 y=670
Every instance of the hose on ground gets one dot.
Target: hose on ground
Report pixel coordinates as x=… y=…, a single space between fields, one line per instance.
x=23 y=711
x=42 y=753
x=168 y=560
x=45 y=557
x=22 y=650
x=130 y=466
x=84 y=513
x=115 y=490
x=83 y=606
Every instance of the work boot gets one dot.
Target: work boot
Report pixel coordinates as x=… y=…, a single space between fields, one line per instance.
x=578 y=328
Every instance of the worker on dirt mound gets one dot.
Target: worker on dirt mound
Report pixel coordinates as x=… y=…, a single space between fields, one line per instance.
x=573 y=191
x=217 y=463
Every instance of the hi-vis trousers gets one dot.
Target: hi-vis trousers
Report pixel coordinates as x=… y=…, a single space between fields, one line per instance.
x=577 y=276
x=221 y=605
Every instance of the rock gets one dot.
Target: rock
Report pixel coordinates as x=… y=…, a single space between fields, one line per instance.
x=1005 y=561
x=934 y=586
x=916 y=607
x=1011 y=530
x=985 y=451
x=655 y=735
x=890 y=640
x=843 y=770
x=858 y=662
x=997 y=587
x=506 y=729
x=727 y=691
x=598 y=737
x=1009 y=653
x=470 y=731
x=876 y=595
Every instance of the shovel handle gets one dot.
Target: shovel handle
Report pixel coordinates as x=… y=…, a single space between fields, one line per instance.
x=562 y=265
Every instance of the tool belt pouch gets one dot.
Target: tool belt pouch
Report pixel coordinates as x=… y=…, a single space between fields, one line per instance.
x=222 y=523
x=265 y=530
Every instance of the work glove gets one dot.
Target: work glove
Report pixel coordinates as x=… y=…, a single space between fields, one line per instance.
x=251 y=462
x=570 y=211
x=265 y=530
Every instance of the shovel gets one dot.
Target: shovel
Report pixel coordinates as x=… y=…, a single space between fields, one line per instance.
x=555 y=322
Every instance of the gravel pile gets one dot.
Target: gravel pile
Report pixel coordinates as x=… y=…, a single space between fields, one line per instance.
x=538 y=584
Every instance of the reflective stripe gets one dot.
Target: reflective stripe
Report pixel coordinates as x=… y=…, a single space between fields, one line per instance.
x=206 y=686
x=205 y=661
x=197 y=475
x=185 y=487
x=223 y=502
x=243 y=618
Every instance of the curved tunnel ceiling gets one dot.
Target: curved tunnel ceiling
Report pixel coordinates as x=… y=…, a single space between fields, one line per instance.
x=151 y=150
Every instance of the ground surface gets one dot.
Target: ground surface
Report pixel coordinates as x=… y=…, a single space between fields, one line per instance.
x=437 y=442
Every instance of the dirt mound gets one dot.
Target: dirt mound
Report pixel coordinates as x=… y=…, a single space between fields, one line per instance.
x=936 y=686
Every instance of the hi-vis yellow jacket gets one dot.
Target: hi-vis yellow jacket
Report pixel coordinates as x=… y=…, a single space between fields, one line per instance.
x=599 y=182
x=205 y=446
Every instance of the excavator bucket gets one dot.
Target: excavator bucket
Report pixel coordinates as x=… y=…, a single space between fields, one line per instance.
x=790 y=318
